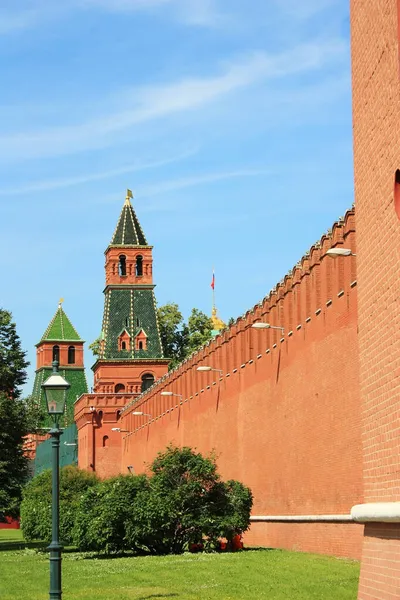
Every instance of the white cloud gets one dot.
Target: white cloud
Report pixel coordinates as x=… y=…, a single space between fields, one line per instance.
x=19 y=21
x=32 y=14
x=156 y=102
x=53 y=184
x=163 y=187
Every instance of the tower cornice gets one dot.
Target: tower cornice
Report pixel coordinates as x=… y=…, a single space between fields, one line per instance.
x=128 y=246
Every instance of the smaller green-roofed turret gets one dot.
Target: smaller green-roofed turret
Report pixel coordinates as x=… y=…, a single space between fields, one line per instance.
x=61 y=342
x=60 y=328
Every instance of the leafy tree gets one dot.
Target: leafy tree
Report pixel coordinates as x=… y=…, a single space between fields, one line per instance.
x=179 y=339
x=200 y=327
x=14 y=422
x=13 y=462
x=103 y=512
x=36 y=503
x=173 y=333
x=12 y=358
x=95 y=346
x=35 y=414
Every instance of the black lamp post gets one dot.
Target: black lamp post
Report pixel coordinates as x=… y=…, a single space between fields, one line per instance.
x=55 y=390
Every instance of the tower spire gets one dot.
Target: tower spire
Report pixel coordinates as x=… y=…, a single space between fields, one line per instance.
x=128 y=231
x=128 y=197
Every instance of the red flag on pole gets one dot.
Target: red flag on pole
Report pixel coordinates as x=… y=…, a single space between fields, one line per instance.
x=213 y=281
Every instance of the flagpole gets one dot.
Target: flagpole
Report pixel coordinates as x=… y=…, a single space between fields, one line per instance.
x=213 y=292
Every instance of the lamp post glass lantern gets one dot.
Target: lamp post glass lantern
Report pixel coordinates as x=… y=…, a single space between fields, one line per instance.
x=55 y=390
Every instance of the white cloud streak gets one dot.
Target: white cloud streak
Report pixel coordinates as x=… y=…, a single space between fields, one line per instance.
x=173 y=185
x=156 y=102
x=53 y=184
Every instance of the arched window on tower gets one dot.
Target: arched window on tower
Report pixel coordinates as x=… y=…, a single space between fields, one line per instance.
x=139 y=266
x=147 y=381
x=122 y=265
x=56 y=353
x=71 y=355
x=123 y=345
x=140 y=345
x=119 y=388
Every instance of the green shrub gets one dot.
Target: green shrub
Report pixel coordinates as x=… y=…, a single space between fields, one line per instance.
x=182 y=502
x=36 y=503
x=103 y=511
x=235 y=516
x=185 y=502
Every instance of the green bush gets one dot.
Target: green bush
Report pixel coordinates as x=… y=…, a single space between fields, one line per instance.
x=182 y=502
x=103 y=512
x=235 y=517
x=186 y=503
x=36 y=503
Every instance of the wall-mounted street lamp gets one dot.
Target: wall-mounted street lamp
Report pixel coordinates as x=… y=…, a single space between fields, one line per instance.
x=335 y=252
x=170 y=394
x=140 y=414
x=55 y=391
x=205 y=368
x=260 y=325
x=119 y=430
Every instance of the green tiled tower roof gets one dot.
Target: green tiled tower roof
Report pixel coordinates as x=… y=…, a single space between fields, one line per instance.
x=60 y=329
x=128 y=231
x=131 y=309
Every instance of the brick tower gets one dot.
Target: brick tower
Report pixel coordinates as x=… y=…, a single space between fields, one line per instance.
x=376 y=117
x=61 y=342
x=130 y=357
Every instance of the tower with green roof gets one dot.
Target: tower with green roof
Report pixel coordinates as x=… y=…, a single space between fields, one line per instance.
x=61 y=342
x=130 y=353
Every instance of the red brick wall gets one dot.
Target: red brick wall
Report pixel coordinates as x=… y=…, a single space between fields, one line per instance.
x=376 y=115
x=285 y=416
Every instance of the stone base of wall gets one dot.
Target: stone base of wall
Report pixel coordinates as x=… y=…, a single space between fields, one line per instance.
x=342 y=540
x=380 y=569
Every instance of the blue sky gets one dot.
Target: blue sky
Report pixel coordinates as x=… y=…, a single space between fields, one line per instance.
x=230 y=121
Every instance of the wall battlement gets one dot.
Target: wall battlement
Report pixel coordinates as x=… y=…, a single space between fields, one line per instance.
x=301 y=296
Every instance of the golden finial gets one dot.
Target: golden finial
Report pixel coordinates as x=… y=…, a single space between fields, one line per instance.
x=128 y=196
x=60 y=302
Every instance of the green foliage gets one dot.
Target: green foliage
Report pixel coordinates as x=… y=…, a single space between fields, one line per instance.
x=12 y=358
x=200 y=327
x=13 y=462
x=186 y=502
x=237 y=503
x=179 y=339
x=95 y=346
x=36 y=504
x=182 y=501
x=104 y=511
x=14 y=417
x=35 y=414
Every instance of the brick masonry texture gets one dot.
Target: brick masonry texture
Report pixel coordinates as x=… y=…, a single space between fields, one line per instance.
x=376 y=112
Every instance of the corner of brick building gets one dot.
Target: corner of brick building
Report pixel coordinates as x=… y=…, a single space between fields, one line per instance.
x=376 y=118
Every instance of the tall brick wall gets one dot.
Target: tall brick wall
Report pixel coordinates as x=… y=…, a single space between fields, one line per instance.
x=376 y=116
x=284 y=417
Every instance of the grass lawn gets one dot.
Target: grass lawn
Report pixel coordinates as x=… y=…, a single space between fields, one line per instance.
x=252 y=574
